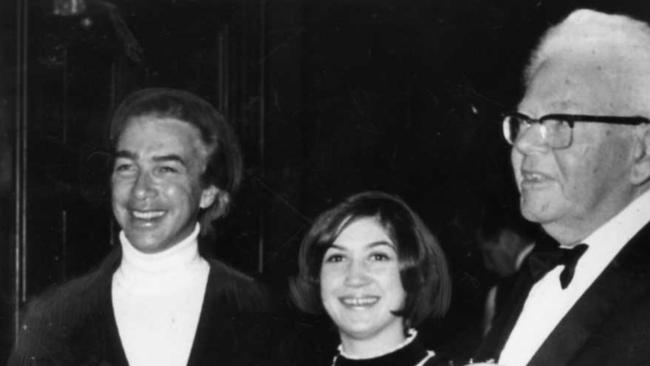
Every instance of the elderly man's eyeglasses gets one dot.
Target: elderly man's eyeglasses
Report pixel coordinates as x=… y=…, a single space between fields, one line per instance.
x=557 y=129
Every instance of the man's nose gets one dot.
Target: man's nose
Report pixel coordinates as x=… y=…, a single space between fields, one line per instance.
x=144 y=186
x=531 y=140
x=357 y=274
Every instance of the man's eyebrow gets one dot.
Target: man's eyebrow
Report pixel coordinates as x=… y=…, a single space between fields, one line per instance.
x=170 y=157
x=336 y=246
x=160 y=158
x=124 y=154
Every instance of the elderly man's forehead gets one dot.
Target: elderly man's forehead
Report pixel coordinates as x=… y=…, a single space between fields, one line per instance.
x=564 y=85
x=609 y=54
x=587 y=34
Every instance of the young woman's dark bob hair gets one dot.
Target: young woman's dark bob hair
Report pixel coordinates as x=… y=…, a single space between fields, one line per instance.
x=423 y=268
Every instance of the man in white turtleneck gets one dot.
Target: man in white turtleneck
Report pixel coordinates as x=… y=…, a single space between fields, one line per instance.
x=157 y=300
x=154 y=300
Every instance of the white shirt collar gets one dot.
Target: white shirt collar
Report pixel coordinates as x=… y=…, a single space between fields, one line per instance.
x=608 y=240
x=411 y=334
x=163 y=271
x=622 y=227
x=176 y=256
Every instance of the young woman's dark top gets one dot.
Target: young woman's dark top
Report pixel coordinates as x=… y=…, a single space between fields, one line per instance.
x=411 y=354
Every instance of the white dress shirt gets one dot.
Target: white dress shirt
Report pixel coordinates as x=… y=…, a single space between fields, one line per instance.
x=547 y=303
x=157 y=300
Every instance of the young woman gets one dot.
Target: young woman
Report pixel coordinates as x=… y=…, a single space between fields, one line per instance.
x=378 y=272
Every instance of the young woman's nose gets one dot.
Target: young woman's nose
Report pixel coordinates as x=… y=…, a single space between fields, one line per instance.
x=356 y=274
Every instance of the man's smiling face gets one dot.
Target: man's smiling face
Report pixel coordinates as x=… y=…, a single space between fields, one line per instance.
x=574 y=190
x=156 y=186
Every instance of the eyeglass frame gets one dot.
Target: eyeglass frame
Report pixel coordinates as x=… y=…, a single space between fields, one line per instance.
x=570 y=120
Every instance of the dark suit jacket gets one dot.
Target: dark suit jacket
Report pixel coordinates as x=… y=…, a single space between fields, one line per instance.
x=608 y=325
x=74 y=324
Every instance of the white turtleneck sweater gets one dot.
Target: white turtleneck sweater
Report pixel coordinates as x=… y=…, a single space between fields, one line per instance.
x=157 y=301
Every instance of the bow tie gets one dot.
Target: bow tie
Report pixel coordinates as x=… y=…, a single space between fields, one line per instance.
x=544 y=261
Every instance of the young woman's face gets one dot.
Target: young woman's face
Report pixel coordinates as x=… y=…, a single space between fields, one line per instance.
x=360 y=283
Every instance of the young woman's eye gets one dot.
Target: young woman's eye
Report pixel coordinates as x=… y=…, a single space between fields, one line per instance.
x=379 y=257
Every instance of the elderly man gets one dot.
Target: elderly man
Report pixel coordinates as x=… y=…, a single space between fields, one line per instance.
x=154 y=300
x=581 y=157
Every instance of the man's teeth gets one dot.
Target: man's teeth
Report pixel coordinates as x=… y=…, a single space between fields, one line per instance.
x=147 y=215
x=360 y=301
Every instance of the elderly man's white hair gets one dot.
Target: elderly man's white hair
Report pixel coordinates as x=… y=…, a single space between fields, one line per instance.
x=621 y=45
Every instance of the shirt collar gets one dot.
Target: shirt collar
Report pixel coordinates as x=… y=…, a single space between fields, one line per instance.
x=608 y=240
x=624 y=225
x=177 y=256
x=411 y=334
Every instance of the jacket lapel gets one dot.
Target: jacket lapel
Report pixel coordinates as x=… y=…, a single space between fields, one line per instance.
x=615 y=286
x=112 y=349
x=216 y=338
x=506 y=319
x=204 y=346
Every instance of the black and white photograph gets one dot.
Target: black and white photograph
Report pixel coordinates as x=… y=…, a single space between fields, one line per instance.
x=324 y=182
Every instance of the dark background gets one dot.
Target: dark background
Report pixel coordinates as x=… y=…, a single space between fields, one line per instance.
x=328 y=98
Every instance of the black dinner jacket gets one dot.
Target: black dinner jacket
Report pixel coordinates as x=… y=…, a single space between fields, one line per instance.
x=75 y=325
x=608 y=325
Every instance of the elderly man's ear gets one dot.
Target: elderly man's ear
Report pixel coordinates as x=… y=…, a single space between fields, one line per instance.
x=641 y=153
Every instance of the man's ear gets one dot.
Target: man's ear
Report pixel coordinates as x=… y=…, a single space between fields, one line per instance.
x=224 y=202
x=208 y=195
x=641 y=155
